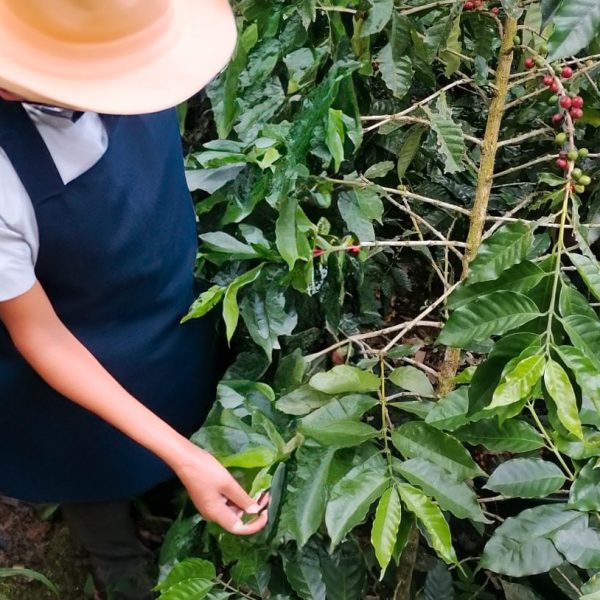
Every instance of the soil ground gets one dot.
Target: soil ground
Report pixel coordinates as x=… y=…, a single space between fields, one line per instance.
x=27 y=540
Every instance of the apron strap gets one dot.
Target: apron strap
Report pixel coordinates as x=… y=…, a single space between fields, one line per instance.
x=28 y=153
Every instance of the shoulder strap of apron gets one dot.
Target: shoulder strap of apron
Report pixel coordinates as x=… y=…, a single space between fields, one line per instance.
x=28 y=153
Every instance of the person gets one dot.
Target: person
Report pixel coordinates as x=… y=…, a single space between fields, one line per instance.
x=100 y=384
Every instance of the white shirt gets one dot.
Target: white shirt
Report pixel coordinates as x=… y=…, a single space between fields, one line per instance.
x=75 y=147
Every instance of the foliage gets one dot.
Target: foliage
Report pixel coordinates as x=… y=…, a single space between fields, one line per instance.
x=357 y=152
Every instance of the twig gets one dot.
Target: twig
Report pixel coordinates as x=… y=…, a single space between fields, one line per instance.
x=535 y=161
x=415 y=9
x=525 y=136
x=411 y=243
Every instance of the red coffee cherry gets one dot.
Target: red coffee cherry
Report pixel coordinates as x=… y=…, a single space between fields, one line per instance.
x=566 y=102
x=566 y=72
x=495 y=11
x=577 y=102
x=468 y=5
x=529 y=63
x=554 y=88
x=548 y=80
x=557 y=118
x=576 y=113
x=562 y=163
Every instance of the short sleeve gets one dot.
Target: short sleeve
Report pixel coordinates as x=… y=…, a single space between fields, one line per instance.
x=19 y=239
x=17 y=272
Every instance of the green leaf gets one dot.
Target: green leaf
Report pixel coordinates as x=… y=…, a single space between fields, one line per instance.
x=352 y=496
x=379 y=16
x=571 y=302
x=549 y=8
x=395 y=65
x=517 y=591
x=492 y=314
x=449 y=134
x=561 y=391
x=519 y=278
x=512 y=436
x=190 y=568
x=584 y=333
x=580 y=547
x=267 y=318
x=357 y=219
x=302 y=400
x=526 y=478
x=410 y=148
x=303 y=571
x=231 y=311
x=431 y=517
x=585 y=491
x=335 y=137
x=416 y=439
x=519 y=382
x=345 y=378
x=586 y=373
x=385 y=527
x=512 y=8
x=344 y=434
x=450 y=412
x=205 y=303
x=507 y=247
x=438 y=583
x=451 y=494
x=380 y=169
x=285 y=231
x=452 y=59
x=223 y=243
x=344 y=573
x=413 y=380
x=313 y=471
x=191 y=588
x=589 y=270
x=576 y=23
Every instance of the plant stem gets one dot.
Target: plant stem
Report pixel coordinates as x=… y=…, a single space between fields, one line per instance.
x=385 y=418
x=549 y=441
x=484 y=181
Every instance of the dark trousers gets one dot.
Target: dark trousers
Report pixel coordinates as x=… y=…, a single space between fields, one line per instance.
x=121 y=565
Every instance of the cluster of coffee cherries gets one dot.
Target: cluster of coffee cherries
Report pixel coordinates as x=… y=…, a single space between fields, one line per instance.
x=479 y=5
x=580 y=179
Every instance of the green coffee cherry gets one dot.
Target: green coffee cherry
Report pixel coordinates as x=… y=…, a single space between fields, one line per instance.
x=560 y=138
x=557 y=68
x=580 y=189
x=517 y=40
x=583 y=152
x=573 y=155
x=576 y=174
x=553 y=100
x=543 y=49
x=539 y=61
x=585 y=180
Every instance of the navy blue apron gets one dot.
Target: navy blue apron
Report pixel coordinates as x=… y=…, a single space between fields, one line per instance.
x=116 y=258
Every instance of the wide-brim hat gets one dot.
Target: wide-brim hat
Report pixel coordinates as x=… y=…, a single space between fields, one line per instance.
x=113 y=56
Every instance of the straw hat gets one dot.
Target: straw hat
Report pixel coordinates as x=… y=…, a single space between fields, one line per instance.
x=113 y=56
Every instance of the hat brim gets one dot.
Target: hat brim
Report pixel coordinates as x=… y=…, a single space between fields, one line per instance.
x=205 y=40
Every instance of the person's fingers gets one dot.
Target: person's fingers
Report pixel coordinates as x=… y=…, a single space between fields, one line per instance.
x=251 y=528
x=235 y=492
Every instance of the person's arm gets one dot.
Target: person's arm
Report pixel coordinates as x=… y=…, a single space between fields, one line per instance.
x=66 y=365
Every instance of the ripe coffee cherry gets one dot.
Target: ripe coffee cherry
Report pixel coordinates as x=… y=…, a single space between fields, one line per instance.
x=576 y=113
x=468 y=5
x=318 y=252
x=561 y=163
x=548 y=80
x=557 y=118
x=566 y=102
x=572 y=155
x=585 y=180
x=353 y=249
x=566 y=72
x=576 y=173
x=495 y=11
x=560 y=138
x=577 y=102
x=529 y=63
x=583 y=152
x=554 y=87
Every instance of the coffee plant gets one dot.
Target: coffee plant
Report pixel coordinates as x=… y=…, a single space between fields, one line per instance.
x=399 y=217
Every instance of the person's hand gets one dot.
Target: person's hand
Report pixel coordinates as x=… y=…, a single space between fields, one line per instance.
x=217 y=495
